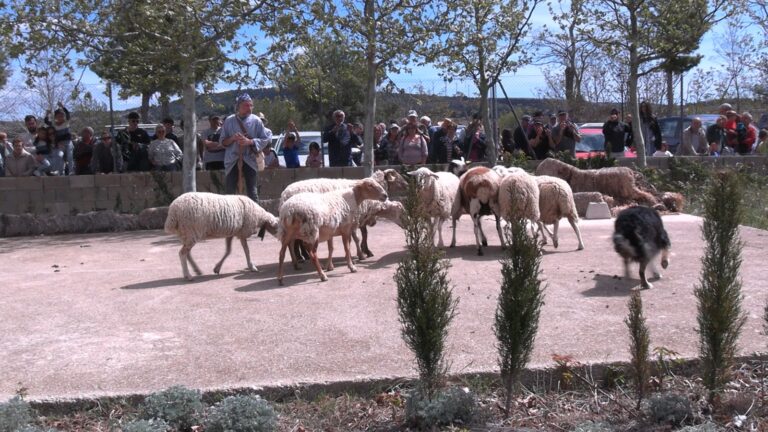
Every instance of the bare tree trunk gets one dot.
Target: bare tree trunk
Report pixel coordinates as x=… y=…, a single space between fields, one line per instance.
x=634 y=108
x=670 y=93
x=490 y=134
x=190 y=130
x=370 y=94
x=144 y=109
x=165 y=101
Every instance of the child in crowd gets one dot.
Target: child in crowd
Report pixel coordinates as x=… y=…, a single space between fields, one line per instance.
x=761 y=147
x=290 y=146
x=60 y=124
x=43 y=164
x=663 y=151
x=270 y=157
x=315 y=159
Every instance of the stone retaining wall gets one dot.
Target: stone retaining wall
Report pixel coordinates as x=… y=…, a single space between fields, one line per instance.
x=134 y=192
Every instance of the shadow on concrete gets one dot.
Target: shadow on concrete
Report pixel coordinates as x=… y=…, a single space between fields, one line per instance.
x=163 y=242
x=177 y=281
x=611 y=286
x=384 y=261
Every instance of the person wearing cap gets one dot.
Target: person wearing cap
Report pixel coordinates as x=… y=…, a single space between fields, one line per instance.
x=338 y=138
x=134 y=142
x=243 y=138
x=565 y=134
x=614 y=131
x=520 y=137
x=724 y=108
x=290 y=146
x=20 y=163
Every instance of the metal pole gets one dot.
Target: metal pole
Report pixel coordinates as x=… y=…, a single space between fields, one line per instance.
x=682 y=110
x=514 y=114
x=111 y=111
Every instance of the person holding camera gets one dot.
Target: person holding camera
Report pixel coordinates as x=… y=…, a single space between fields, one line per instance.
x=540 y=140
x=565 y=134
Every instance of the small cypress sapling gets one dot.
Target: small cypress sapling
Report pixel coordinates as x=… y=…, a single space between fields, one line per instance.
x=425 y=300
x=720 y=314
x=639 y=342
x=519 y=305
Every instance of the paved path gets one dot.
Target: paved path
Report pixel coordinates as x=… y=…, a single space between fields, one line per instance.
x=108 y=314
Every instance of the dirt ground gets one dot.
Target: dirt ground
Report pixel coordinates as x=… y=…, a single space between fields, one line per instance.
x=108 y=314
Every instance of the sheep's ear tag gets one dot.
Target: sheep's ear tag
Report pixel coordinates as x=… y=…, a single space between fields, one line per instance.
x=261 y=232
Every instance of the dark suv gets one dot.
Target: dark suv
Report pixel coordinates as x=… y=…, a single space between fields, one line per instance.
x=671 y=128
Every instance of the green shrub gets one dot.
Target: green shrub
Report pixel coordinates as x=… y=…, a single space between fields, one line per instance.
x=154 y=425
x=519 y=305
x=447 y=406
x=640 y=341
x=425 y=302
x=670 y=408
x=241 y=414
x=15 y=414
x=179 y=406
x=718 y=293
x=516 y=159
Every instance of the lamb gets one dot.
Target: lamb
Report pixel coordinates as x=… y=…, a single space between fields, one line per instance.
x=196 y=216
x=371 y=211
x=437 y=194
x=555 y=202
x=617 y=182
x=315 y=217
x=389 y=179
x=477 y=195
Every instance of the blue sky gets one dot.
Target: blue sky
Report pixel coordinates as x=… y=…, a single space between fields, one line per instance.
x=524 y=83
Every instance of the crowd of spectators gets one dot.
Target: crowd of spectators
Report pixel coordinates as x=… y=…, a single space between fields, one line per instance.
x=51 y=148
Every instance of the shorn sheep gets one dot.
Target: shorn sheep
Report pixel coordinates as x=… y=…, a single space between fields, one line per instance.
x=477 y=195
x=617 y=182
x=556 y=202
x=437 y=194
x=317 y=217
x=197 y=216
x=389 y=179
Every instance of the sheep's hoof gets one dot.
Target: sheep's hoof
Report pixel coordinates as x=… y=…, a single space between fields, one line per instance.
x=361 y=257
x=480 y=252
x=646 y=286
x=189 y=278
x=353 y=269
x=296 y=267
x=554 y=243
x=369 y=254
x=323 y=278
x=485 y=243
x=254 y=269
x=217 y=269
x=581 y=247
x=657 y=275
x=452 y=245
x=280 y=281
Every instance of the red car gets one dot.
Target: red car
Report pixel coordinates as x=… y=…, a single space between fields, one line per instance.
x=593 y=144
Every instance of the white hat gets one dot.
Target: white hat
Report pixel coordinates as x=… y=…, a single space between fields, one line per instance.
x=412 y=113
x=426 y=119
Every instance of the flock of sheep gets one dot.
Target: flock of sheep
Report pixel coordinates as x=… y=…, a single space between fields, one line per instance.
x=315 y=211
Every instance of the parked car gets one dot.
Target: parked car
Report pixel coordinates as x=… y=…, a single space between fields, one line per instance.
x=303 y=146
x=592 y=125
x=593 y=144
x=671 y=127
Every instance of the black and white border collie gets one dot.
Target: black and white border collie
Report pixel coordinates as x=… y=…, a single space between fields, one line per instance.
x=639 y=236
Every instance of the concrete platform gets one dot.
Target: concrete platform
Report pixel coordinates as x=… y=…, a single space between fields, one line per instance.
x=108 y=314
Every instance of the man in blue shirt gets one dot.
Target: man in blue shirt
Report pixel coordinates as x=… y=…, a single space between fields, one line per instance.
x=243 y=137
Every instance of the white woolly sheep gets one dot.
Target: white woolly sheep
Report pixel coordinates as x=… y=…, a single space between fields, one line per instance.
x=389 y=179
x=617 y=182
x=556 y=202
x=437 y=194
x=519 y=197
x=197 y=216
x=316 y=217
x=477 y=195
